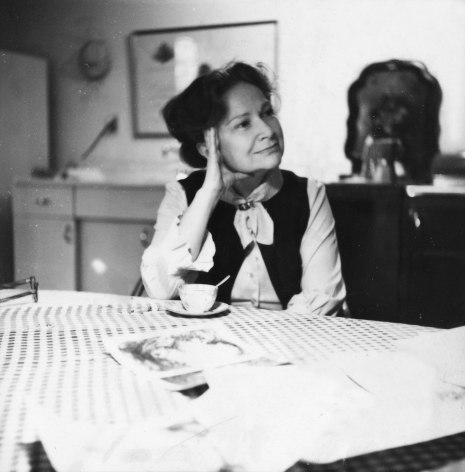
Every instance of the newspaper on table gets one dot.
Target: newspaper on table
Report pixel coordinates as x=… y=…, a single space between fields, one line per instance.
x=178 y=357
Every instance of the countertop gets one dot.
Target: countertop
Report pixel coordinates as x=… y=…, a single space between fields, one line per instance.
x=129 y=182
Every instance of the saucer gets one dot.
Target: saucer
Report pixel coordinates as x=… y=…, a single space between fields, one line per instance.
x=218 y=307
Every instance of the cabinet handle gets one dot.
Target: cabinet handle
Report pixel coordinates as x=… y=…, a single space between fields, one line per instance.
x=68 y=233
x=415 y=218
x=43 y=201
x=144 y=237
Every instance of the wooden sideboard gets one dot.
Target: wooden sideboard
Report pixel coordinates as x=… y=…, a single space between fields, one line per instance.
x=402 y=251
x=402 y=247
x=76 y=236
x=432 y=282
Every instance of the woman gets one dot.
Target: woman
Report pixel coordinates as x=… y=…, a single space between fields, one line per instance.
x=270 y=230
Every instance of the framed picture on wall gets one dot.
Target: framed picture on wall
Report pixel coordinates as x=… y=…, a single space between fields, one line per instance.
x=163 y=62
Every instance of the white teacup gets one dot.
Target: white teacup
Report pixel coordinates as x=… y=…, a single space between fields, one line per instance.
x=198 y=298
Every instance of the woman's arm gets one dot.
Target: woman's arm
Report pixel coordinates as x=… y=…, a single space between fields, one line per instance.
x=193 y=224
x=167 y=262
x=323 y=288
x=218 y=178
x=182 y=245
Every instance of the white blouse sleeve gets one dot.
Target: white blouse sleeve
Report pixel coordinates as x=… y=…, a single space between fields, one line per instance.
x=167 y=262
x=323 y=288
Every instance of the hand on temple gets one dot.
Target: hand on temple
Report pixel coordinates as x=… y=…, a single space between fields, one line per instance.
x=218 y=177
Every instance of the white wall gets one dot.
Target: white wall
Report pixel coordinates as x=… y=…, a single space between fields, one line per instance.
x=341 y=37
x=323 y=46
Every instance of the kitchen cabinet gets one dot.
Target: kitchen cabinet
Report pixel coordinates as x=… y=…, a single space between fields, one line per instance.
x=80 y=236
x=402 y=251
x=433 y=275
x=115 y=225
x=110 y=255
x=45 y=235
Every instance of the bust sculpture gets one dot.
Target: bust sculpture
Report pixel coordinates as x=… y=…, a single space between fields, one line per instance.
x=396 y=100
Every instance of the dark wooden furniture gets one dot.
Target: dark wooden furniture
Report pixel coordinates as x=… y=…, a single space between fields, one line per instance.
x=368 y=219
x=402 y=251
x=432 y=290
x=400 y=100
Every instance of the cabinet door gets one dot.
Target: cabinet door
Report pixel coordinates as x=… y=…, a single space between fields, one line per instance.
x=367 y=219
x=436 y=294
x=111 y=253
x=434 y=261
x=45 y=247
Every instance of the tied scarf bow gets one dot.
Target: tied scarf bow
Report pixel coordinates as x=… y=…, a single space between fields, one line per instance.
x=251 y=221
x=253 y=224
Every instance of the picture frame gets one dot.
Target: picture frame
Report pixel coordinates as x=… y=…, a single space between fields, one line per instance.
x=163 y=62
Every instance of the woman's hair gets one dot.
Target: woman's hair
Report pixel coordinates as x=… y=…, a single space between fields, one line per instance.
x=201 y=105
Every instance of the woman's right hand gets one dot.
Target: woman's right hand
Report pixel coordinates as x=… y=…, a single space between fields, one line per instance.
x=218 y=177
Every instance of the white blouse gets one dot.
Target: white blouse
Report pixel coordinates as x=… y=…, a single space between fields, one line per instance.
x=167 y=262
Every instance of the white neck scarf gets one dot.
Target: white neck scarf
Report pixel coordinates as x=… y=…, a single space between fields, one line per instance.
x=252 y=222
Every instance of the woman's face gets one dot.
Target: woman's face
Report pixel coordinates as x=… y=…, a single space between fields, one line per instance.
x=250 y=135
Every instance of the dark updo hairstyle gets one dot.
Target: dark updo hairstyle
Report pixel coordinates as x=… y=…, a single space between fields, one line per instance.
x=201 y=106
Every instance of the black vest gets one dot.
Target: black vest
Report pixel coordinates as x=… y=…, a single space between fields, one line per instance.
x=289 y=210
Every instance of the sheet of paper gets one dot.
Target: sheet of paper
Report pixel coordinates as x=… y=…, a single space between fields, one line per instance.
x=266 y=418
x=444 y=350
x=74 y=446
x=326 y=411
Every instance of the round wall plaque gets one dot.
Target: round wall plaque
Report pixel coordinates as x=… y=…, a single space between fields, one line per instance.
x=94 y=59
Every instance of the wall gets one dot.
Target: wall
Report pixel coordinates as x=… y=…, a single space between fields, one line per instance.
x=323 y=45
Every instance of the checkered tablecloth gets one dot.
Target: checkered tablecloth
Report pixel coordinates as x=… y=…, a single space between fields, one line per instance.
x=52 y=353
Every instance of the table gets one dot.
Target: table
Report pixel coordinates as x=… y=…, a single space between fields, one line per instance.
x=52 y=352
